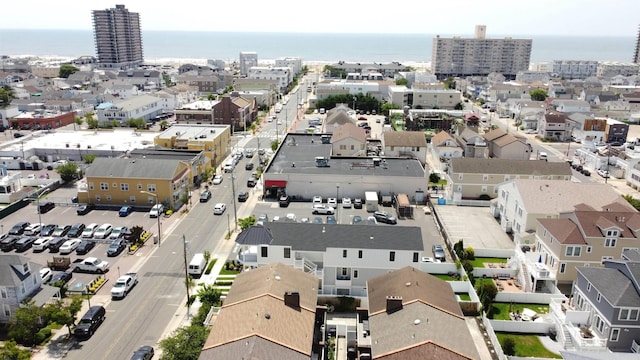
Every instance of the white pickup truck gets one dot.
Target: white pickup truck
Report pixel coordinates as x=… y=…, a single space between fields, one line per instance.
x=123 y=285
x=91 y=265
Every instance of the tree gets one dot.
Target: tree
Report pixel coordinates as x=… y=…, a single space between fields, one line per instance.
x=64 y=313
x=459 y=106
x=26 y=323
x=631 y=200
x=211 y=97
x=88 y=158
x=78 y=121
x=247 y=222
x=509 y=346
x=274 y=145
x=185 y=343
x=487 y=292
x=11 y=351
x=6 y=95
x=449 y=83
x=66 y=70
x=138 y=123
x=538 y=95
x=402 y=81
x=434 y=178
x=163 y=125
x=209 y=296
x=67 y=171
x=388 y=106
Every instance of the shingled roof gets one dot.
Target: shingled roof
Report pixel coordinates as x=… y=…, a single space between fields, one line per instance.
x=404 y=138
x=508 y=166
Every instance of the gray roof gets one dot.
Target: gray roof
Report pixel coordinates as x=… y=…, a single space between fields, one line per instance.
x=507 y=166
x=613 y=284
x=631 y=254
x=8 y=275
x=302 y=149
x=255 y=235
x=135 y=102
x=167 y=154
x=133 y=168
x=317 y=237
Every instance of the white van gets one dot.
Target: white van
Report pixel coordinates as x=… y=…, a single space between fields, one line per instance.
x=197 y=264
x=228 y=167
x=543 y=156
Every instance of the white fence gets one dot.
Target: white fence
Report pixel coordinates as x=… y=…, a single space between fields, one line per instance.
x=498 y=272
x=492 y=335
x=527 y=298
x=496 y=253
x=523 y=327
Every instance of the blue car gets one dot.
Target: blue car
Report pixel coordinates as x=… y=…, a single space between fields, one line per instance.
x=125 y=210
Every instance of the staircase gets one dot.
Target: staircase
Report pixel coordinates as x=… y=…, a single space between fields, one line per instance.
x=309 y=266
x=526 y=285
x=568 y=341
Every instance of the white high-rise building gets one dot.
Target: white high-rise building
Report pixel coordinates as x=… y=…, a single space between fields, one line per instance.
x=248 y=59
x=479 y=56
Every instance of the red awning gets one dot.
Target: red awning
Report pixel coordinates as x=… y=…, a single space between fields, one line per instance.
x=275 y=183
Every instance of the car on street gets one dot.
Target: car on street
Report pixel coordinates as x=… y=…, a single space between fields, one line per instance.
x=62 y=276
x=284 y=201
x=125 y=211
x=46 y=274
x=205 y=195
x=41 y=244
x=19 y=228
x=248 y=154
x=217 y=180
x=69 y=246
x=61 y=230
x=76 y=230
x=438 y=252
x=118 y=232
x=585 y=172
x=84 y=209
x=346 y=203
x=243 y=196
x=357 y=203
x=85 y=246
x=47 y=230
x=385 y=217
x=116 y=247
x=89 y=230
x=90 y=322
x=248 y=166
x=356 y=220
x=333 y=202
x=103 y=231
x=603 y=173
x=219 y=208
x=143 y=353
x=321 y=209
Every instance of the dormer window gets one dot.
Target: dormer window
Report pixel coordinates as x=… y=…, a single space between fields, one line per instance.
x=25 y=268
x=612 y=233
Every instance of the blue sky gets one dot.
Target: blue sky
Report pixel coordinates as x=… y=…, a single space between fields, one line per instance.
x=447 y=17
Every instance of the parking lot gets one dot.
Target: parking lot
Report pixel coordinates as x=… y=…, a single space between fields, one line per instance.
x=474 y=225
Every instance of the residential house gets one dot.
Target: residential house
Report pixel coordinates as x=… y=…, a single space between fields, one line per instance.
x=527 y=112
x=349 y=140
x=269 y=312
x=634 y=100
x=283 y=75
x=143 y=106
x=607 y=69
x=235 y=111
x=414 y=315
x=119 y=181
x=559 y=90
x=503 y=145
x=417 y=98
x=522 y=201
x=570 y=106
x=555 y=125
x=388 y=69
x=507 y=91
x=295 y=63
x=472 y=177
x=605 y=306
x=141 y=78
x=335 y=118
x=182 y=94
x=616 y=131
x=471 y=142
x=411 y=144
x=206 y=84
x=585 y=236
x=212 y=140
x=45 y=71
x=123 y=91
x=575 y=69
x=444 y=146
x=586 y=128
x=342 y=257
x=19 y=280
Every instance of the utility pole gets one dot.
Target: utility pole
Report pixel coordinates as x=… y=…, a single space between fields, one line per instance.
x=186 y=274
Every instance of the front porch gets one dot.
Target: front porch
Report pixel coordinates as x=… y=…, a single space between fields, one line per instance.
x=573 y=329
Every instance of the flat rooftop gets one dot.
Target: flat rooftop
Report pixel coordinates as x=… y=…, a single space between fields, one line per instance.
x=193 y=131
x=119 y=140
x=302 y=149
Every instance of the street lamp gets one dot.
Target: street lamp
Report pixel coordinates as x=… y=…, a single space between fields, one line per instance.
x=156 y=205
x=608 y=155
x=38 y=204
x=235 y=209
x=186 y=273
x=337 y=197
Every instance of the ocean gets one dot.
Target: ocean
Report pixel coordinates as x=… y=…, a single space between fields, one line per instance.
x=159 y=45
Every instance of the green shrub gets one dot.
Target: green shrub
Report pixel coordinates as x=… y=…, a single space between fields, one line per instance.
x=210 y=266
x=509 y=346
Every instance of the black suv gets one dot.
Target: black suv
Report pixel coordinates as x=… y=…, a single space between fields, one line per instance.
x=205 y=196
x=76 y=230
x=45 y=207
x=90 y=322
x=8 y=243
x=24 y=244
x=243 y=196
x=19 y=228
x=54 y=245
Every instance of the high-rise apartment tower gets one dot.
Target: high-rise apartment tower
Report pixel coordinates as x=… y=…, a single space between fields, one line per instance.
x=636 y=54
x=118 y=38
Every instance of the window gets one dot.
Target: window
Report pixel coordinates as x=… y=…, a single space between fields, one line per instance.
x=460 y=176
x=563 y=268
x=344 y=253
x=343 y=147
x=602 y=259
x=3 y=293
x=7 y=310
x=610 y=242
x=115 y=185
x=615 y=334
x=264 y=251
x=628 y=314
x=98 y=198
x=104 y=186
x=139 y=186
x=151 y=187
x=287 y=253
x=598 y=297
x=485 y=177
x=355 y=274
x=588 y=249
x=108 y=197
x=598 y=323
x=132 y=199
x=588 y=286
x=519 y=211
x=90 y=186
x=359 y=254
x=392 y=256
x=573 y=250
x=415 y=257
x=483 y=189
x=612 y=232
x=124 y=187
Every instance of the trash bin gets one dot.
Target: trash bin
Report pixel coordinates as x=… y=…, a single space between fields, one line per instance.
x=155 y=238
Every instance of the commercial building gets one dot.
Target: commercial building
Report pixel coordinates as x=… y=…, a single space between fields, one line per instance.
x=118 y=38
x=479 y=56
x=248 y=59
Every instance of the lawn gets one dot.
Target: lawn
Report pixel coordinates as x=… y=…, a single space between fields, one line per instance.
x=479 y=261
x=444 y=277
x=500 y=311
x=464 y=296
x=528 y=346
x=228 y=272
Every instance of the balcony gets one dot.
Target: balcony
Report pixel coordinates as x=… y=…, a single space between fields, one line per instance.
x=575 y=331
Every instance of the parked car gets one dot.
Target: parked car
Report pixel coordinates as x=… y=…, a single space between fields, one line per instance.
x=103 y=231
x=438 y=252
x=603 y=173
x=24 y=244
x=248 y=166
x=217 y=180
x=331 y=219
x=19 y=228
x=125 y=211
x=46 y=274
x=356 y=220
x=585 y=172
x=317 y=200
x=118 y=232
x=84 y=209
x=85 y=246
x=47 y=230
x=249 y=154
x=264 y=218
x=8 y=243
x=205 y=195
x=346 y=203
x=252 y=181
x=333 y=202
x=357 y=203
x=156 y=210
x=45 y=207
x=284 y=201
x=243 y=196
x=76 y=230
x=116 y=247
x=55 y=243
x=90 y=322
x=143 y=353
x=63 y=277
x=61 y=230
x=219 y=208
x=317 y=220
x=33 y=229
x=41 y=244
x=69 y=246
x=385 y=217
x=321 y=209
x=89 y=230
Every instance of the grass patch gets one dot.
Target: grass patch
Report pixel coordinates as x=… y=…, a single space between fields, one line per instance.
x=464 y=296
x=480 y=281
x=478 y=262
x=210 y=266
x=228 y=272
x=223 y=283
x=528 y=346
x=444 y=277
x=500 y=311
